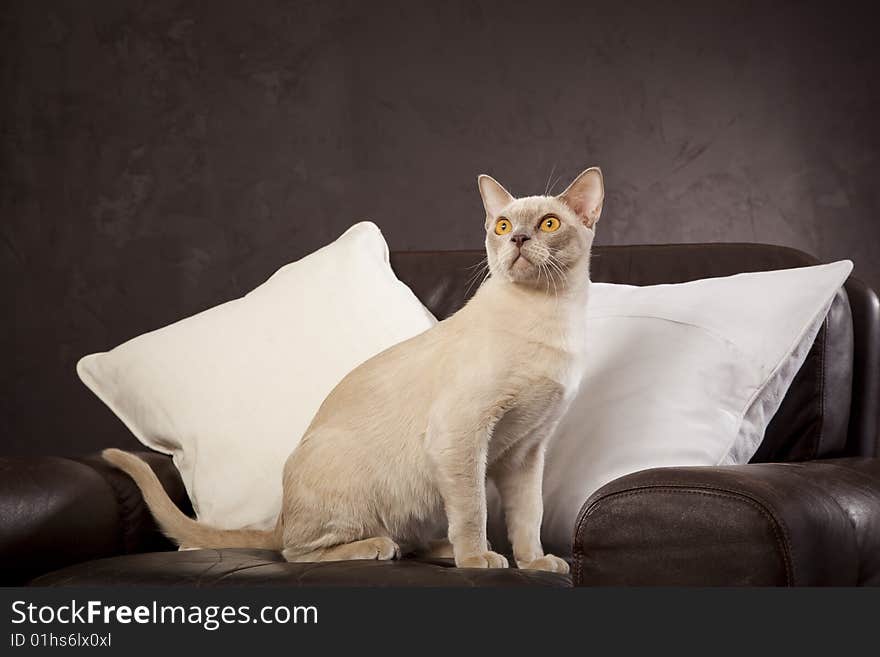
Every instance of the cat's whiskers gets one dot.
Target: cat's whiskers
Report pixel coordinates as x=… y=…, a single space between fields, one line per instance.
x=556 y=263
x=553 y=280
x=542 y=268
x=482 y=271
x=483 y=261
x=555 y=287
x=547 y=186
x=553 y=261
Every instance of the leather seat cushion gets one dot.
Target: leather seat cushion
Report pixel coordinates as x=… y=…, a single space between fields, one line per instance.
x=244 y=567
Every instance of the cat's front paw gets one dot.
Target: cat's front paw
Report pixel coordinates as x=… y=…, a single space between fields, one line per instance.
x=486 y=559
x=548 y=562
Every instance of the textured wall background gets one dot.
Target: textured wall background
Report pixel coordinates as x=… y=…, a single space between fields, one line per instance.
x=159 y=157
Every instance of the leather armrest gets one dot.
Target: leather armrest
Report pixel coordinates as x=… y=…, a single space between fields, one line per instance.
x=138 y=531
x=58 y=511
x=813 y=523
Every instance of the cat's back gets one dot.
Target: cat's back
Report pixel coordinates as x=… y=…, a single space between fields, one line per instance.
x=488 y=342
x=392 y=379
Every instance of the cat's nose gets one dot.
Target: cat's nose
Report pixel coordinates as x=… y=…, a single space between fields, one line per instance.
x=519 y=238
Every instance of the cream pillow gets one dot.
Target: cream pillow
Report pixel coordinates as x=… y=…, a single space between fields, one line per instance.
x=230 y=391
x=687 y=374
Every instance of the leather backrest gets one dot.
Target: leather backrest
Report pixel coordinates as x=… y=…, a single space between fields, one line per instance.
x=814 y=418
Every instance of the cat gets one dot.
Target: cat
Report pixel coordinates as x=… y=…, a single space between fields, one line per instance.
x=399 y=452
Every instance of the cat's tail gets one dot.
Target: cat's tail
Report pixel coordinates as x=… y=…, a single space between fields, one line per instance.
x=183 y=530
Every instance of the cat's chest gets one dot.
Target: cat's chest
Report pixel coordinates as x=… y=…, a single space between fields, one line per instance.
x=540 y=395
x=530 y=414
x=541 y=365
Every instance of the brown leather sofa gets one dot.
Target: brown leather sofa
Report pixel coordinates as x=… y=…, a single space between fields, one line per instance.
x=805 y=512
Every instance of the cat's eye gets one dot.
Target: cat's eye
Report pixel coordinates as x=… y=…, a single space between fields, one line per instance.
x=549 y=224
x=502 y=226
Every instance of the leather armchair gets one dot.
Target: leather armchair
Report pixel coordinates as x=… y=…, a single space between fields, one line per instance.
x=806 y=511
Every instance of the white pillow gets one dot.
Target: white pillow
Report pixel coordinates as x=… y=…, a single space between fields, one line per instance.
x=687 y=374
x=229 y=392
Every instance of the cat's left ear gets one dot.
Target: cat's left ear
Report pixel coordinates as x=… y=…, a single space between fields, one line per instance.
x=495 y=197
x=585 y=196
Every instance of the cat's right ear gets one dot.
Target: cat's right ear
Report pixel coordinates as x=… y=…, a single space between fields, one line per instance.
x=495 y=197
x=585 y=196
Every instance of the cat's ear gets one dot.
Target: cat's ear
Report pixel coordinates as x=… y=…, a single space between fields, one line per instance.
x=495 y=197
x=585 y=196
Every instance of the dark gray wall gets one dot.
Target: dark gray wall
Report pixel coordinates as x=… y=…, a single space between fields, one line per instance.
x=159 y=157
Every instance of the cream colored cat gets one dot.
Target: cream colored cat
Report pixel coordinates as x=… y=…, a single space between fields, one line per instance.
x=399 y=452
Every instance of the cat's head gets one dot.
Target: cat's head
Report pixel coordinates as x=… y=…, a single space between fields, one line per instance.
x=542 y=241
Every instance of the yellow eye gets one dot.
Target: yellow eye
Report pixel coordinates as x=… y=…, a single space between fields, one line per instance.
x=549 y=224
x=502 y=226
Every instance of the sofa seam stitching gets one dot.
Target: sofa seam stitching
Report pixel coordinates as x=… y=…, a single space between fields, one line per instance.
x=822 y=388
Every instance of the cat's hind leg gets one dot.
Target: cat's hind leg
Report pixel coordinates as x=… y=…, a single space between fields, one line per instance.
x=380 y=548
x=440 y=548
